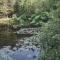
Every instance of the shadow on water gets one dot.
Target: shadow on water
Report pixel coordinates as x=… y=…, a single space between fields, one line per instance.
x=19 y=36
x=7 y=37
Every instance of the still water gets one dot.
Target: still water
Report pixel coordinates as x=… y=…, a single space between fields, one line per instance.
x=27 y=53
x=7 y=38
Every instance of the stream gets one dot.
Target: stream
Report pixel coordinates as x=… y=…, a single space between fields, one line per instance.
x=24 y=50
x=27 y=53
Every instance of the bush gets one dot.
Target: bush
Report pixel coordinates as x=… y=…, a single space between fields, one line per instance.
x=50 y=39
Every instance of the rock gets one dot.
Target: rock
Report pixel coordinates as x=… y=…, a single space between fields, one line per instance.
x=27 y=30
x=14 y=49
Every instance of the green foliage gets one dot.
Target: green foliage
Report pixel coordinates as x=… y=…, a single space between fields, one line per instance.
x=31 y=13
x=49 y=37
x=35 y=19
x=48 y=12
x=18 y=9
x=50 y=33
x=41 y=12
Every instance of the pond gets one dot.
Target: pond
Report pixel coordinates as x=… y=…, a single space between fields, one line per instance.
x=22 y=49
x=23 y=53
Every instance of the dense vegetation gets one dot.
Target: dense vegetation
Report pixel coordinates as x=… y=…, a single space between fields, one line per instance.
x=47 y=11
x=50 y=33
x=45 y=14
x=31 y=14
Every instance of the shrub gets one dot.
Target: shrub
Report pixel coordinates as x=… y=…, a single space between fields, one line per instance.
x=50 y=39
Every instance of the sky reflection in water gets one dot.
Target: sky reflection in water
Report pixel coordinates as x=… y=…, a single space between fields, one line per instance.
x=27 y=53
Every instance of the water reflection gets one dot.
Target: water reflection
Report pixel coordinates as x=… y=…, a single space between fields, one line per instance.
x=27 y=53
